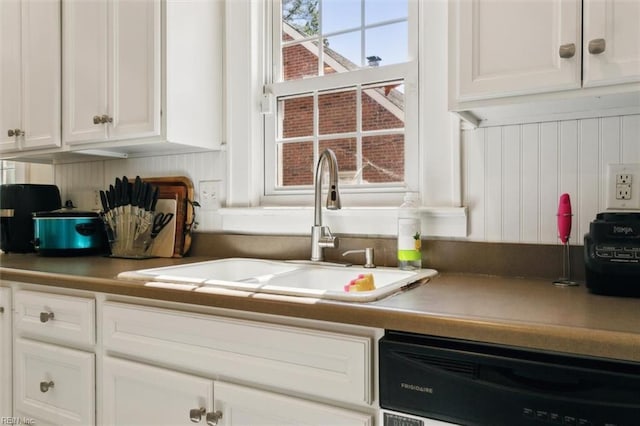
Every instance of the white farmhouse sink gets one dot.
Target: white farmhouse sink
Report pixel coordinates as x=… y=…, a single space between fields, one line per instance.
x=281 y=277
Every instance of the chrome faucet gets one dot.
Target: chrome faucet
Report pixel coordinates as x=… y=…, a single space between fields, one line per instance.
x=321 y=236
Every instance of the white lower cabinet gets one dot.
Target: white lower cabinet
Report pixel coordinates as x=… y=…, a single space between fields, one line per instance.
x=164 y=366
x=80 y=358
x=53 y=358
x=140 y=394
x=5 y=352
x=242 y=406
x=54 y=383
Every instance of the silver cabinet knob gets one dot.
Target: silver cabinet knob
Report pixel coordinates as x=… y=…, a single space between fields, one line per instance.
x=97 y=119
x=106 y=119
x=597 y=46
x=195 y=414
x=15 y=132
x=46 y=316
x=45 y=386
x=213 y=418
x=567 y=50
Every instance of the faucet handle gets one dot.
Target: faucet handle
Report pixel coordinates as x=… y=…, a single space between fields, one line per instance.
x=369 y=256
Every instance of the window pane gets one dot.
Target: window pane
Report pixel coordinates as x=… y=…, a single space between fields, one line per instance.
x=384 y=10
x=337 y=112
x=383 y=106
x=340 y=15
x=388 y=42
x=301 y=15
x=383 y=159
x=346 y=151
x=295 y=164
x=296 y=117
x=342 y=52
x=300 y=60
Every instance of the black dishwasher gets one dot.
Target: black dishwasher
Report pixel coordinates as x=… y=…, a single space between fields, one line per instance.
x=478 y=384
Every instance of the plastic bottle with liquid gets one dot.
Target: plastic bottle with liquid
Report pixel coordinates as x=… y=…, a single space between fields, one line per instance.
x=409 y=228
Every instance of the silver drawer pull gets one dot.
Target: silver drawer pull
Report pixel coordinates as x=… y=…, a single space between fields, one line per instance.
x=567 y=50
x=213 y=418
x=45 y=386
x=96 y=119
x=195 y=414
x=46 y=316
x=597 y=46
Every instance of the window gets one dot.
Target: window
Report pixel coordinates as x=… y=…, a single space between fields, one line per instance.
x=345 y=78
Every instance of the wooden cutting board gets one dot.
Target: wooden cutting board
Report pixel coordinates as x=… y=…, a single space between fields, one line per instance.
x=165 y=241
x=180 y=189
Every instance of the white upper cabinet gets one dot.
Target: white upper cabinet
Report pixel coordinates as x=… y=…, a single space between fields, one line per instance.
x=611 y=42
x=139 y=74
x=519 y=61
x=513 y=47
x=29 y=74
x=111 y=70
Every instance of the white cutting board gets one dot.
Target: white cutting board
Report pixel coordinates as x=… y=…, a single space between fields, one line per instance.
x=163 y=245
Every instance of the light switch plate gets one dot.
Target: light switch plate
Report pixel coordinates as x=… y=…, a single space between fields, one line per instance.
x=209 y=194
x=623 y=187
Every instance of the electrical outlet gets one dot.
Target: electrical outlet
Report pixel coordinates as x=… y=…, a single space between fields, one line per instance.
x=209 y=194
x=623 y=186
x=97 y=204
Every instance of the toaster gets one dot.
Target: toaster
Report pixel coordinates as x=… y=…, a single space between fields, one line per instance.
x=612 y=254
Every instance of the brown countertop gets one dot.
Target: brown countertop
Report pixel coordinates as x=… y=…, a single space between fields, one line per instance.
x=515 y=311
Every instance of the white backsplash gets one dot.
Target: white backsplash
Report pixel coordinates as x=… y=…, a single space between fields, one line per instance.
x=79 y=181
x=513 y=175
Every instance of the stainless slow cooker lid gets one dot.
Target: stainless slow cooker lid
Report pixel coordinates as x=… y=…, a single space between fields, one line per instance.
x=66 y=213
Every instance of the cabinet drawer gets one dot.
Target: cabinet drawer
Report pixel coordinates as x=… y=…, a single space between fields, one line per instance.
x=68 y=319
x=54 y=383
x=311 y=362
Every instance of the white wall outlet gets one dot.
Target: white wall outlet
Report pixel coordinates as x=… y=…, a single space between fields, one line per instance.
x=97 y=203
x=623 y=187
x=209 y=194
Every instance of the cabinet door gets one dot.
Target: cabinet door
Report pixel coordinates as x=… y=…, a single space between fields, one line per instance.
x=10 y=78
x=54 y=383
x=84 y=70
x=612 y=29
x=41 y=85
x=502 y=48
x=139 y=394
x=134 y=66
x=240 y=406
x=5 y=352
x=30 y=86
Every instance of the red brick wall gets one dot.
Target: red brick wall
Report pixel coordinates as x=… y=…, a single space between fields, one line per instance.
x=383 y=156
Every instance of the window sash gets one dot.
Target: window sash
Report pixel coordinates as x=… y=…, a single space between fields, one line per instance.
x=371 y=193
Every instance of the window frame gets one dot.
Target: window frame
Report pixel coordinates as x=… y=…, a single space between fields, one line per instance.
x=366 y=195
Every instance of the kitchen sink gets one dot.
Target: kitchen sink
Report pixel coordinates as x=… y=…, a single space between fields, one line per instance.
x=318 y=280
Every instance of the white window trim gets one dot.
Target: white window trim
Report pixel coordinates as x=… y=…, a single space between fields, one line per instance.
x=439 y=174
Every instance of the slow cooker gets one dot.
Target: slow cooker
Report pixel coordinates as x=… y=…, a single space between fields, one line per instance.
x=69 y=232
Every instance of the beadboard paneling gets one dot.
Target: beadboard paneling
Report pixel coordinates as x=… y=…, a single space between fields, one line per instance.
x=79 y=181
x=513 y=175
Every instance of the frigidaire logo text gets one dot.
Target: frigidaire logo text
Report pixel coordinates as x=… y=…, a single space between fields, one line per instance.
x=417 y=388
x=626 y=230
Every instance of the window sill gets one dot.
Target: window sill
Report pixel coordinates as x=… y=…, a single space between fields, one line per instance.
x=448 y=222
